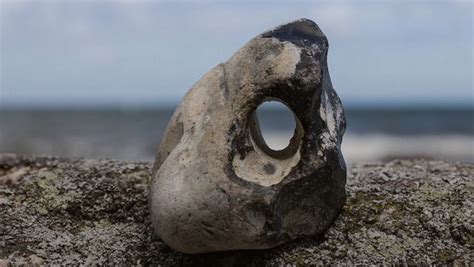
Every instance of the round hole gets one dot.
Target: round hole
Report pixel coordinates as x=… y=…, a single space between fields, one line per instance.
x=275 y=129
x=277 y=124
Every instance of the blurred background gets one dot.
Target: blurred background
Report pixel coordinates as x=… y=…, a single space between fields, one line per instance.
x=102 y=78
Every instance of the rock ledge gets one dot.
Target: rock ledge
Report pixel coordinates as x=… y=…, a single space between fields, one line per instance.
x=59 y=211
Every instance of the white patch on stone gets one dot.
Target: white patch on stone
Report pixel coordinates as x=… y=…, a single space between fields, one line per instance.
x=284 y=65
x=252 y=169
x=326 y=113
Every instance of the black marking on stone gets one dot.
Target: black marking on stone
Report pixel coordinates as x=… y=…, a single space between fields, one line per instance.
x=269 y=168
x=223 y=82
x=301 y=33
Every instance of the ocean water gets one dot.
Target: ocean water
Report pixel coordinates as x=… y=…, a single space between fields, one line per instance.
x=134 y=134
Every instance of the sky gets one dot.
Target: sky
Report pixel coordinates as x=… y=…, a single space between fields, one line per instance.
x=149 y=53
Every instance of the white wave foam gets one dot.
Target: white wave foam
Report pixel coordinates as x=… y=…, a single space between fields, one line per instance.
x=376 y=147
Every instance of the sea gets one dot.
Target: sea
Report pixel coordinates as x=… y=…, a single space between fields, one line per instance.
x=373 y=134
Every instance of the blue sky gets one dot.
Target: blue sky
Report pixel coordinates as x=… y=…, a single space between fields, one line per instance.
x=133 y=53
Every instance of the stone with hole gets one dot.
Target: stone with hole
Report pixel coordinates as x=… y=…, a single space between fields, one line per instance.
x=216 y=185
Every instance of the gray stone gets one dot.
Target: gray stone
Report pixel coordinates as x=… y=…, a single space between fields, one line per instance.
x=217 y=186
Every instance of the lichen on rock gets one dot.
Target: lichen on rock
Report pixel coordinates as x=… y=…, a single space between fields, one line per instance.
x=79 y=211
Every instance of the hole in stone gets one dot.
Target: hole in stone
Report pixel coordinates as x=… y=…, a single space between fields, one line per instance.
x=277 y=124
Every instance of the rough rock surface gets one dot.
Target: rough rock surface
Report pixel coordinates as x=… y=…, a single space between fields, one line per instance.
x=217 y=185
x=58 y=211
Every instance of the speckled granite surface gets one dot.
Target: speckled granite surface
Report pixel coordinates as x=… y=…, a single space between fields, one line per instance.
x=79 y=211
